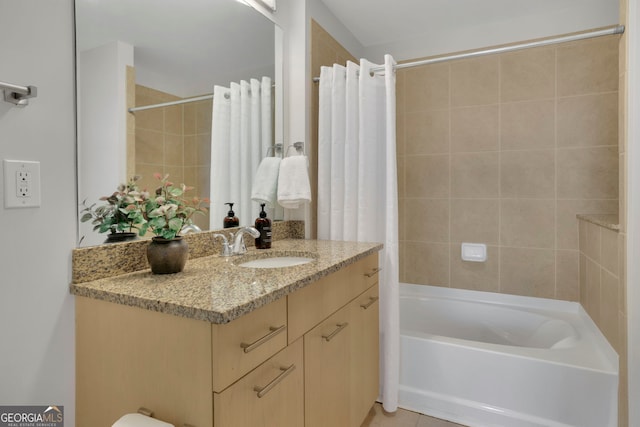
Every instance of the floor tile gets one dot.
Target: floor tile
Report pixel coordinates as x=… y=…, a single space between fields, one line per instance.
x=402 y=418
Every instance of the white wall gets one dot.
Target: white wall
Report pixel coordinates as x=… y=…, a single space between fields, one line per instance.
x=36 y=310
x=102 y=125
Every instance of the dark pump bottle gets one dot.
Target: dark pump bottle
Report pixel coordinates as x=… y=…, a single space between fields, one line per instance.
x=263 y=225
x=230 y=220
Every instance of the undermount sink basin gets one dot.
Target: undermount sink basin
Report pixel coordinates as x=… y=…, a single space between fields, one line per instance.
x=276 y=262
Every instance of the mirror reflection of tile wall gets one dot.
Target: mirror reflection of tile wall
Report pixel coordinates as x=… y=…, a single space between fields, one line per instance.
x=174 y=140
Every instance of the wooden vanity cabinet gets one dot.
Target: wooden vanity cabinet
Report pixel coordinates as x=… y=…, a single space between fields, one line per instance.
x=341 y=352
x=288 y=363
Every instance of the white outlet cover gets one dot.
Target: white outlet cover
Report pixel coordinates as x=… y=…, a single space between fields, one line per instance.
x=12 y=168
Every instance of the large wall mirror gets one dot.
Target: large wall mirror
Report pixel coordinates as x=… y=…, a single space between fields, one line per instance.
x=137 y=53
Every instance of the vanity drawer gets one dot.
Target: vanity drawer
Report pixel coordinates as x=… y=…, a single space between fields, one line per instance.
x=244 y=343
x=369 y=271
x=312 y=304
x=272 y=395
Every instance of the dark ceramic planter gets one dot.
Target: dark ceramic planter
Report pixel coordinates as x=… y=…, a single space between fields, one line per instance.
x=167 y=256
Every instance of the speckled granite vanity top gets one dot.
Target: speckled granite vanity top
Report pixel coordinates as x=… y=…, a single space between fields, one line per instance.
x=217 y=290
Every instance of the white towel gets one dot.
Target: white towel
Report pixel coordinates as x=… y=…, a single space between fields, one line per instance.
x=293 y=182
x=265 y=182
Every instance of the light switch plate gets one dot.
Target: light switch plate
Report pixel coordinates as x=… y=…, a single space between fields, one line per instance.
x=21 y=184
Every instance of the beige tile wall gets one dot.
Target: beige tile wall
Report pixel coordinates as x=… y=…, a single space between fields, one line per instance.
x=174 y=140
x=505 y=150
x=603 y=293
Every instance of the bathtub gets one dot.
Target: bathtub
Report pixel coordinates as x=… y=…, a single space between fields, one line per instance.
x=483 y=359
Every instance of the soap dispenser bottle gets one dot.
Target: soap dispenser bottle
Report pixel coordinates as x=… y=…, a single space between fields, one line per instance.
x=230 y=220
x=263 y=225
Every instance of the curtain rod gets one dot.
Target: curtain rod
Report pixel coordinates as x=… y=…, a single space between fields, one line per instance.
x=615 y=29
x=168 y=104
x=181 y=101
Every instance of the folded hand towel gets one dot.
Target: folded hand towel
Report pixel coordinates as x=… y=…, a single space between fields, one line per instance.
x=265 y=182
x=293 y=182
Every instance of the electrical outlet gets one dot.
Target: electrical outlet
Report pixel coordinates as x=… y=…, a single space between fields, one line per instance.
x=21 y=184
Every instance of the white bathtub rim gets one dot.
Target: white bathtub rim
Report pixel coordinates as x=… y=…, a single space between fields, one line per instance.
x=498 y=349
x=476 y=414
x=492 y=298
x=534 y=304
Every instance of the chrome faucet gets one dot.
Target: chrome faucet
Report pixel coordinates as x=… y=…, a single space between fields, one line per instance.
x=191 y=228
x=226 y=249
x=239 y=247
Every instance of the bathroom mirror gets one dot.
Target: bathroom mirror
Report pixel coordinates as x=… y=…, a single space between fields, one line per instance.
x=132 y=53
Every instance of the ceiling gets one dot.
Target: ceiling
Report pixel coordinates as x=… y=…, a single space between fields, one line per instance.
x=463 y=24
x=217 y=41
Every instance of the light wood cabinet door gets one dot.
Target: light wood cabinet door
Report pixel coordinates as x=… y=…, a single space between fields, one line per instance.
x=365 y=345
x=127 y=358
x=269 y=396
x=327 y=364
x=246 y=342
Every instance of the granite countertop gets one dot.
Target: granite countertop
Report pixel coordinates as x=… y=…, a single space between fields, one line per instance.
x=215 y=289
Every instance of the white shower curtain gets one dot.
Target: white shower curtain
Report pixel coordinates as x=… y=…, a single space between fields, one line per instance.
x=357 y=185
x=241 y=133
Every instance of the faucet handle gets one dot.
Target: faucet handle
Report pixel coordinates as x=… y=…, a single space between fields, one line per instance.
x=226 y=249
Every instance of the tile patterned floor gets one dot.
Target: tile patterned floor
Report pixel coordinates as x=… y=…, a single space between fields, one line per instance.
x=402 y=418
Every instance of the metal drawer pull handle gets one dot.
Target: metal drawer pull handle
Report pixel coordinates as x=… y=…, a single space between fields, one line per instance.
x=373 y=272
x=261 y=391
x=370 y=303
x=340 y=326
x=274 y=331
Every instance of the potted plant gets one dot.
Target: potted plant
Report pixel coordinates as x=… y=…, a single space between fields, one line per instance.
x=121 y=215
x=166 y=214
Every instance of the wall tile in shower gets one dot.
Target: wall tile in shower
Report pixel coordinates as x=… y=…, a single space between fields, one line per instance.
x=568 y=275
x=427 y=176
x=528 y=74
x=527 y=125
x=527 y=174
x=588 y=120
x=589 y=66
x=527 y=271
x=475 y=175
x=475 y=129
x=474 y=81
x=527 y=223
x=427 y=88
x=427 y=220
x=478 y=276
x=587 y=173
x=475 y=220
x=427 y=132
